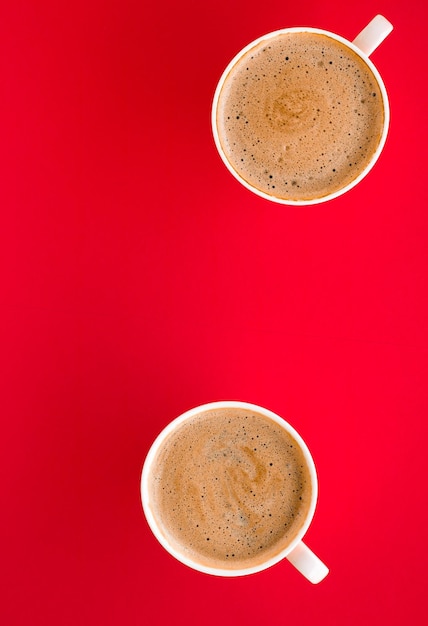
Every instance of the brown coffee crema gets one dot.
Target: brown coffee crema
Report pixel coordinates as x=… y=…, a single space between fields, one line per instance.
x=300 y=116
x=230 y=488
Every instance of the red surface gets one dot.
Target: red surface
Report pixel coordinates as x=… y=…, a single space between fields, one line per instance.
x=139 y=279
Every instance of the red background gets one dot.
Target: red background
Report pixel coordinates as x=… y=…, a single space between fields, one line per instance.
x=139 y=279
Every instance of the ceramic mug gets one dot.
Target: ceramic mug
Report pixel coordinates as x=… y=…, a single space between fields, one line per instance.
x=363 y=45
x=295 y=551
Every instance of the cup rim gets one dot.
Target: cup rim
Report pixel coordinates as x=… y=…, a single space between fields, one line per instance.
x=375 y=155
x=145 y=494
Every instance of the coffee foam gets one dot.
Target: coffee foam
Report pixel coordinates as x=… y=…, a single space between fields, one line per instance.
x=230 y=488
x=300 y=116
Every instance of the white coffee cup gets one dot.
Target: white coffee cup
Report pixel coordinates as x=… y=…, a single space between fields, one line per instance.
x=363 y=45
x=296 y=551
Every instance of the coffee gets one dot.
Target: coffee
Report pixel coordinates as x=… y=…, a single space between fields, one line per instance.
x=230 y=488
x=300 y=116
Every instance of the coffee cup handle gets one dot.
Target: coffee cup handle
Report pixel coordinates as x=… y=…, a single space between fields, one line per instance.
x=308 y=563
x=373 y=34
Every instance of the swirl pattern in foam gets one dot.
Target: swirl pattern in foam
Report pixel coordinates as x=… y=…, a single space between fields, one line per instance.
x=230 y=488
x=300 y=116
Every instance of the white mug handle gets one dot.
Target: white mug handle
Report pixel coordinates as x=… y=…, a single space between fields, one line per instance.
x=373 y=34
x=308 y=563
